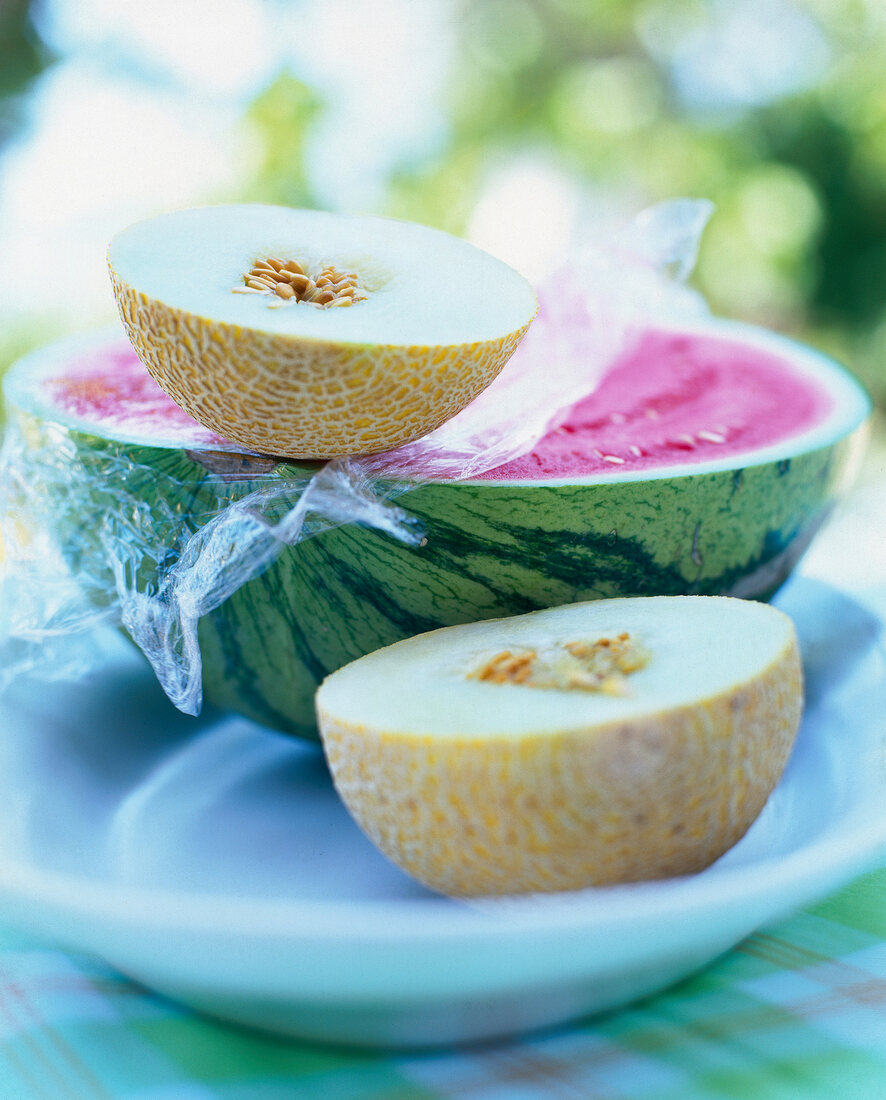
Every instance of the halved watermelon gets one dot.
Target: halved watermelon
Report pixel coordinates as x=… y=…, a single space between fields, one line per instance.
x=704 y=463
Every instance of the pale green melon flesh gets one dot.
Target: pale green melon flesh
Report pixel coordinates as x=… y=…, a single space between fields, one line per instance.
x=423 y=287
x=698 y=647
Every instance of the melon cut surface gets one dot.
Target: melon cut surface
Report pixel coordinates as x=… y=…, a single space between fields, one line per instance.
x=728 y=512
x=591 y=744
x=421 y=322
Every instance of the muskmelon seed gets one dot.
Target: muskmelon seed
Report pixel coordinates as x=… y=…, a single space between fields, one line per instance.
x=287 y=282
x=602 y=665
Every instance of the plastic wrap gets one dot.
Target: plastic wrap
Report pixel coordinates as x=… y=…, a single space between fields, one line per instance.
x=177 y=558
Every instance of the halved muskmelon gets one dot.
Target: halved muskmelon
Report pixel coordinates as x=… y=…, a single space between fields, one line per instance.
x=311 y=335
x=594 y=743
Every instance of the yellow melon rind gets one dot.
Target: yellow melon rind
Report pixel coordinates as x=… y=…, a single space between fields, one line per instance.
x=658 y=796
x=298 y=397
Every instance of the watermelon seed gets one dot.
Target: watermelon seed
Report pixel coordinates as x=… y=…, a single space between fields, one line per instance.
x=682 y=443
x=712 y=437
x=614 y=459
x=618 y=418
x=651 y=414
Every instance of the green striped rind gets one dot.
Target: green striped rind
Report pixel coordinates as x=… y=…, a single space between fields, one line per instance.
x=492 y=549
x=497 y=549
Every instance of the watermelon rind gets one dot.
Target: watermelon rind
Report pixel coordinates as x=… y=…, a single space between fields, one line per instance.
x=491 y=548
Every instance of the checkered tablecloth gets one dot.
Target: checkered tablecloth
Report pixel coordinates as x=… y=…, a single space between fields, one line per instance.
x=796 y=1012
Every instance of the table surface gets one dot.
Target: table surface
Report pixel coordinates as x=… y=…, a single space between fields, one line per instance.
x=795 y=1012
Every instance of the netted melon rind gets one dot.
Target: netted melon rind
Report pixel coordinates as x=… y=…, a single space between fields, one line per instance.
x=658 y=796
x=299 y=397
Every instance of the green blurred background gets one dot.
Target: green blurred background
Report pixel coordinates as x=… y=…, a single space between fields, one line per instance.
x=526 y=125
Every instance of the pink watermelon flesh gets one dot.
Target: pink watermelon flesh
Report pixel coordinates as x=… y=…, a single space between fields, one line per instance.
x=110 y=390
x=675 y=399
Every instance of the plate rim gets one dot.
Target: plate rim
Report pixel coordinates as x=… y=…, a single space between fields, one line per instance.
x=810 y=869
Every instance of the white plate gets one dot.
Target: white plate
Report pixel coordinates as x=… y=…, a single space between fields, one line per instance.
x=212 y=861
